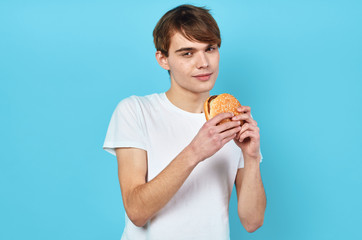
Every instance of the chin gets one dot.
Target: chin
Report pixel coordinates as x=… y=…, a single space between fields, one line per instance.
x=205 y=88
x=209 y=86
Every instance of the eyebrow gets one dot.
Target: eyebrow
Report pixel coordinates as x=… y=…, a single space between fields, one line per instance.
x=184 y=49
x=191 y=49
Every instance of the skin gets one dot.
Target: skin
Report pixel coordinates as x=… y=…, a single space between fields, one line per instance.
x=188 y=61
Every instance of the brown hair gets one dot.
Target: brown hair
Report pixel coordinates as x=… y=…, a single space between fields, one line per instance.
x=194 y=23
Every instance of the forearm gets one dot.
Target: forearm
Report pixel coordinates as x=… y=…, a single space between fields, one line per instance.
x=252 y=200
x=147 y=199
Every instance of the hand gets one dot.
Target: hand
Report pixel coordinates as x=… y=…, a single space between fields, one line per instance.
x=248 y=138
x=212 y=137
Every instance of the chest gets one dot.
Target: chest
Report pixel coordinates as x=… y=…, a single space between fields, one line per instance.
x=168 y=136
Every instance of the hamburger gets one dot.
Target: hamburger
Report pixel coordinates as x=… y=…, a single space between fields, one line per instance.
x=217 y=104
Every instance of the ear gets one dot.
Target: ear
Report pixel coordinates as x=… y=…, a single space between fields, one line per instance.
x=162 y=60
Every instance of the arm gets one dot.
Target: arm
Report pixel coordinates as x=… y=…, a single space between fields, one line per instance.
x=248 y=183
x=141 y=199
x=251 y=195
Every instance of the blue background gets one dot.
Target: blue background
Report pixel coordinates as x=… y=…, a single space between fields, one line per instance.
x=64 y=66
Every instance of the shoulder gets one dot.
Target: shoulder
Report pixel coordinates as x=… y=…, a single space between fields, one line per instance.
x=137 y=101
x=133 y=106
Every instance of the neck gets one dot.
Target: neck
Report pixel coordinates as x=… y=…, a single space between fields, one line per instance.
x=187 y=101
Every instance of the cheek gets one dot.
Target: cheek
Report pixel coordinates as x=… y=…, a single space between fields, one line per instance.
x=216 y=60
x=180 y=68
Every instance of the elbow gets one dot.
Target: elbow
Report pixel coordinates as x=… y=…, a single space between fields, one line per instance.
x=252 y=225
x=137 y=218
x=138 y=222
x=252 y=220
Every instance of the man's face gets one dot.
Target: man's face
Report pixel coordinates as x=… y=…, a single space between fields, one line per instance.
x=194 y=66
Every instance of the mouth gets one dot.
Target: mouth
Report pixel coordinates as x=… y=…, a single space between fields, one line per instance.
x=203 y=77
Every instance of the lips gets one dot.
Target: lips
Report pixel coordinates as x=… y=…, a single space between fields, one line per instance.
x=203 y=77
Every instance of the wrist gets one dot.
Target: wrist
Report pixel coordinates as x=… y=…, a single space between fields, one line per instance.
x=252 y=162
x=192 y=156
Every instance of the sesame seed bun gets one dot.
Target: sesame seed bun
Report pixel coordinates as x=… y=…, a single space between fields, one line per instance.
x=217 y=104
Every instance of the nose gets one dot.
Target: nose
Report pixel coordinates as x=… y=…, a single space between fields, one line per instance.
x=202 y=61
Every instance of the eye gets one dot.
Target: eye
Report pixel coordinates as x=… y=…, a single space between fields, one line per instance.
x=187 y=54
x=211 y=48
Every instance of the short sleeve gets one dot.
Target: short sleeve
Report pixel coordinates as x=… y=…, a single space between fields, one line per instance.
x=126 y=127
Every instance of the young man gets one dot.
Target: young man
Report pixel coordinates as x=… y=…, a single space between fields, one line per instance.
x=176 y=170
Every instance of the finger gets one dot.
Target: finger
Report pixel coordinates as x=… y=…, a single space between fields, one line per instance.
x=227 y=125
x=250 y=134
x=244 y=128
x=244 y=109
x=230 y=132
x=248 y=127
x=245 y=117
x=218 y=118
x=227 y=139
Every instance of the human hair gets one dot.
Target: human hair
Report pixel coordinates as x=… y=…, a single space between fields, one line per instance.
x=194 y=23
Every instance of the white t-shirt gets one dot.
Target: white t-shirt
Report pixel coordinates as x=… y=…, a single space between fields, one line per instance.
x=199 y=210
